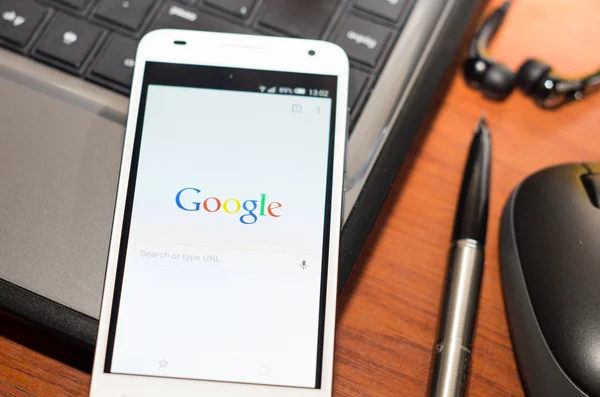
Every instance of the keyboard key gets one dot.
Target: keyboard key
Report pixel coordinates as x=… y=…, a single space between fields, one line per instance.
x=357 y=83
x=239 y=8
x=19 y=20
x=69 y=40
x=388 y=9
x=78 y=4
x=301 y=18
x=176 y=16
x=127 y=13
x=116 y=61
x=362 y=40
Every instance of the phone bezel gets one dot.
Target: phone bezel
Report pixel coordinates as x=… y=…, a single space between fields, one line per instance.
x=237 y=51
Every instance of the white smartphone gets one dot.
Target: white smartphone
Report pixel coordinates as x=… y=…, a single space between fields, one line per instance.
x=223 y=262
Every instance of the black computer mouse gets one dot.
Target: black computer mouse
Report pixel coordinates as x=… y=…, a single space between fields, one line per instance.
x=550 y=267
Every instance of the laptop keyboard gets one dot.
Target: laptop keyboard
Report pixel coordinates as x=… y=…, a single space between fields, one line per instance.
x=96 y=39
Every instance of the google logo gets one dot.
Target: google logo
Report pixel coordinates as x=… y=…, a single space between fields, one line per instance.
x=230 y=206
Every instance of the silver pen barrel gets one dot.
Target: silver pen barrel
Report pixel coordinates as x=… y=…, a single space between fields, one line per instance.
x=453 y=349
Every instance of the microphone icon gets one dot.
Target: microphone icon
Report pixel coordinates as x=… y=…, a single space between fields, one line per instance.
x=303 y=265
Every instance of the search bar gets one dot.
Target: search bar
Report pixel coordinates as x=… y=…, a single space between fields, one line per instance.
x=223 y=259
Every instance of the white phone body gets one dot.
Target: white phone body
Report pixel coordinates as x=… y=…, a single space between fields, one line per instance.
x=207 y=294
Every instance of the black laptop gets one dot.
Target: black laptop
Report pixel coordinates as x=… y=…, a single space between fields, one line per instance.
x=65 y=74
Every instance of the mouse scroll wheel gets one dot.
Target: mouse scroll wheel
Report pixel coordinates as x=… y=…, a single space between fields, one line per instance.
x=592 y=186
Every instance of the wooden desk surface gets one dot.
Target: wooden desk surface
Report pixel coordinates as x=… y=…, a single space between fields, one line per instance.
x=389 y=310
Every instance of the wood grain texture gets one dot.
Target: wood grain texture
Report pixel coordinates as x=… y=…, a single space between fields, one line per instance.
x=389 y=311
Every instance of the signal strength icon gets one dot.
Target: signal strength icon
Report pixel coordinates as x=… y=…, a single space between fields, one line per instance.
x=262 y=88
x=272 y=90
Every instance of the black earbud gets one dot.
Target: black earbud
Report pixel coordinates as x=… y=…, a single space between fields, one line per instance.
x=494 y=79
x=532 y=75
x=535 y=78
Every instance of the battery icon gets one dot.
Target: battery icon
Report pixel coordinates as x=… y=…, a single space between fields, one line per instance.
x=299 y=91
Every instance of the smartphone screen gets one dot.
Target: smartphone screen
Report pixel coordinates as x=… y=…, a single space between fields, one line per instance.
x=223 y=256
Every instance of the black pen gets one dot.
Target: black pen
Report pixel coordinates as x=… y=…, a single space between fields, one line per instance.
x=463 y=283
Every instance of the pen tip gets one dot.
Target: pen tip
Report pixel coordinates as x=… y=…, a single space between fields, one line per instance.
x=504 y=7
x=482 y=127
